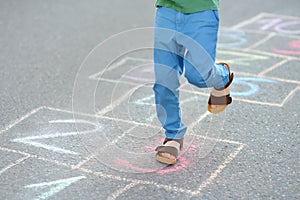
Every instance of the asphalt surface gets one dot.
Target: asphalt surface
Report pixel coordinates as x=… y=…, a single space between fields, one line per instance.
x=77 y=116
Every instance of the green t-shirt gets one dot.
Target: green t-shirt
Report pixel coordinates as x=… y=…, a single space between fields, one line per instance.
x=190 y=6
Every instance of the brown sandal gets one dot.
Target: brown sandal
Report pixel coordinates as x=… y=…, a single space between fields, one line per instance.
x=170 y=146
x=221 y=98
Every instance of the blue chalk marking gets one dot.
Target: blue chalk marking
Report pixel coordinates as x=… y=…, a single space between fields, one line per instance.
x=237 y=36
x=253 y=88
x=55 y=186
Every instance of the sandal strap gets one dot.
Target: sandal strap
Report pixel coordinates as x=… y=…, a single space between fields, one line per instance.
x=180 y=141
x=223 y=100
x=171 y=146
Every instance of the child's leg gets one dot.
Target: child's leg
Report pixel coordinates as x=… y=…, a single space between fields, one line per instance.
x=168 y=68
x=201 y=70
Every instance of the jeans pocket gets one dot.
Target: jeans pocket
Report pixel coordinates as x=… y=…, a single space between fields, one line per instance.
x=216 y=13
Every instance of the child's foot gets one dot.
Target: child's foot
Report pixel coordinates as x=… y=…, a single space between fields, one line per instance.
x=169 y=151
x=219 y=99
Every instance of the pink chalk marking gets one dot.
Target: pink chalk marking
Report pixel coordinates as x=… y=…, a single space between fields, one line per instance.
x=286 y=52
x=182 y=163
x=151 y=148
x=294 y=44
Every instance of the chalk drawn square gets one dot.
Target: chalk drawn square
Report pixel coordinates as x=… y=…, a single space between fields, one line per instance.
x=202 y=161
x=37 y=179
x=288 y=71
x=61 y=135
x=247 y=61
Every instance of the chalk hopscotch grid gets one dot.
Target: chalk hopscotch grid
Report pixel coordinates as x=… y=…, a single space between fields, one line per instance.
x=132 y=182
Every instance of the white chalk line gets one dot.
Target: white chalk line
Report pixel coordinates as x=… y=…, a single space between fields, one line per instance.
x=265 y=39
x=117 y=102
x=119 y=81
x=123 y=135
x=268 y=77
x=258 y=102
x=21 y=119
x=84 y=161
x=130 y=122
x=290 y=95
x=273 y=67
x=265 y=32
x=278 y=15
x=97 y=76
x=103 y=117
x=248 y=21
x=218 y=171
x=119 y=192
x=13 y=164
x=283 y=80
x=265 y=53
x=191 y=126
x=14 y=151
x=257 y=17
x=70 y=112
x=17 y=162
x=217 y=139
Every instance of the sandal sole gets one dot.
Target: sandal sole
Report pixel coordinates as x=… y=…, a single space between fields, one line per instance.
x=165 y=160
x=218 y=109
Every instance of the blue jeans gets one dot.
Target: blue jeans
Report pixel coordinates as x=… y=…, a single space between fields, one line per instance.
x=184 y=43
